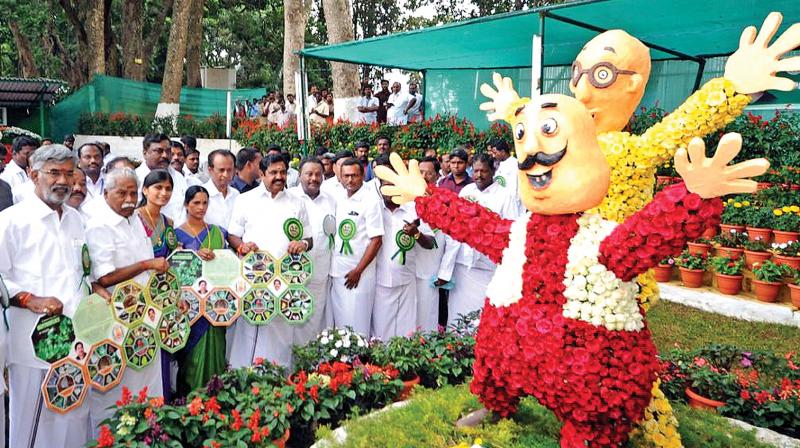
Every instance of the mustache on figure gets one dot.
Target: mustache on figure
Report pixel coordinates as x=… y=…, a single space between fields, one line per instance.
x=542 y=158
x=128 y=205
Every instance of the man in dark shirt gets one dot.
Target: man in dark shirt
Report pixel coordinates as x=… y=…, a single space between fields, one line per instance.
x=458 y=177
x=247 y=172
x=382 y=97
x=6 y=198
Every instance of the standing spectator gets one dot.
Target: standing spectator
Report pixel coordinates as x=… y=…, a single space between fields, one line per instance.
x=507 y=168
x=247 y=172
x=445 y=171
x=329 y=99
x=16 y=172
x=368 y=107
x=78 y=195
x=177 y=157
x=69 y=141
x=327 y=165
x=221 y=196
x=157 y=151
x=335 y=185
x=6 y=198
x=414 y=108
x=283 y=115
x=311 y=100
x=291 y=107
x=397 y=106
x=90 y=160
x=193 y=169
x=319 y=114
x=383 y=98
x=252 y=108
x=458 y=177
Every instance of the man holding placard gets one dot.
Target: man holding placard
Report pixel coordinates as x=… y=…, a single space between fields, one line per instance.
x=269 y=219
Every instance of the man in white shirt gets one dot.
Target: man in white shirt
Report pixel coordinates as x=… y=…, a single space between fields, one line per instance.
x=221 y=196
x=292 y=175
x=428 y=263
x=472 y=270
x=97 y=203
x=507 y=167
x=90 y=160
x=319 y=114
x=15 y=172
x=312 y=99
x=414 y=108
x=41 y=265
x=291 y=107
x=78 y=195
x=333 y=186
x=192 y=169
x=368 y=107
x=120 y=250
x=321 y=208
x=359 y=232
x=259 y=223
x=157 y=151
x=397 y=104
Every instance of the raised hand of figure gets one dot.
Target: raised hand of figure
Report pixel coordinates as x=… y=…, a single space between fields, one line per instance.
x=407 y=184
x=753 y=66
x=502 y=100
x=713 y=177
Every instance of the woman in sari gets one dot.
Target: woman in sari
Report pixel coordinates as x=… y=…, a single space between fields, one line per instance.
x=156 y=193
x=204 y=354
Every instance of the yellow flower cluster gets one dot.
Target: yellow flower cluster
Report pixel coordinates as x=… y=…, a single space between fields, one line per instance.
x=659 y=428
x=785 y=210
x=478 y=443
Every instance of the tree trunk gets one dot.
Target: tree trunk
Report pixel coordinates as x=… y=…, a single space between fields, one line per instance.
x=295 y=19
x=95 y=37
x=339 y=17
x=80 y=62
x=133 y=63
x=70 y=71
x=194 y=44
x=110 y=42
x=154 y=33
x=26 y=60
x=173 y=69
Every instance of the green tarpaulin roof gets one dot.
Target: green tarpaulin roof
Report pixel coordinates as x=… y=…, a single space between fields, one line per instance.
x=697 y=28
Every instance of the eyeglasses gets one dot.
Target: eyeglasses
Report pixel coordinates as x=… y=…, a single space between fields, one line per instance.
x=601 y=75
x=56 y=174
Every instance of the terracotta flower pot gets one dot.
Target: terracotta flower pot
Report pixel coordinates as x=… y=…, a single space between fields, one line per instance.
x=729 y=284
x=699 y=248
x=281 y=443
x=700 y=402
x=759 y=233
x=766 y=291
x=663 y=273
x=709 y=233
x=751 y=257
x=792 y=262
x=734 y=253
x=692 y=278
x=784 y=237
x=729 y=227
x=407 y=386
x=794 y=294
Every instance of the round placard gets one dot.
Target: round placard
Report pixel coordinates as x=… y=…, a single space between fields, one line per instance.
x=221 y=307
x=258 y=306
x=296 y=269
x=106 y=365
x=65 y=386
x=171 y=238
x=140 y=346
x=296 y=305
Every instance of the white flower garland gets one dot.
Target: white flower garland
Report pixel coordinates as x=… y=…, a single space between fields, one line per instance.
x=595 y=294
x=505 y=288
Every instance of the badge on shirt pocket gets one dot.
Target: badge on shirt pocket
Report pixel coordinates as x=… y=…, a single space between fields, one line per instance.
x=293 y=229
x=86 y=262
x=347 y=230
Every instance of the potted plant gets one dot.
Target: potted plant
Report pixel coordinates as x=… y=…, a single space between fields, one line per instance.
x=663 y=271
x=404 y=354
x=700 y=246
x=707 y=385
x=733 y=216
x=787 y=254
x=333 y=344
x=730 y=244
x=728 y=273
x=786 y=224
x=794 y=286
x=759 y=220
x=756 y=251
x=767 y=281
x=692 y=267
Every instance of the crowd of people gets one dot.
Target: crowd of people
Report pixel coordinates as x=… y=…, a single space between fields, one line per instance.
x=376 y=267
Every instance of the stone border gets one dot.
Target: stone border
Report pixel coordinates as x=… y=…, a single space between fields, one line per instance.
x=340 y=434
x=765 y=435
x=740 y=308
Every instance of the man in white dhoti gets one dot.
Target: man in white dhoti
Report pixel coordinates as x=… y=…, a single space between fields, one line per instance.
x=41 y=265
x=120 y=250
x=260 y=222
x=359 y=232
x=321 y=208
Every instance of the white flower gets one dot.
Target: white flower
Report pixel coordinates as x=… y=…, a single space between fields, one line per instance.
x=342 y=332
x=334 y=352
x=361 y=343
x=338 y=344
x=324 y=340
x=346 y=343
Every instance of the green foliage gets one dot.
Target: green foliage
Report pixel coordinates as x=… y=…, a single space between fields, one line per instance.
x=756 y=246
x=790 y=249
x=57 y=341
x=688 y=260
x=727 y=266
x=768 y=271
x=785 y=219
x=760 y=217
x=733 y=240
x=126 y=125
x=335 y=344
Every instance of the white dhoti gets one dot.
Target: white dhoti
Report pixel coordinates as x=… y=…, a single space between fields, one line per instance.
x=469 y=292
x=394 y=312
x=32 y=424
x=427 y=305
x=321 y=319
x=271 y=342
x=353 y=307
x=98 y=402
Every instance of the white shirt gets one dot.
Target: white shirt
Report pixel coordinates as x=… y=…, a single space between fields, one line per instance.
x=396 y=114
x=40 y=254
x=220 y=208
x=93 y=206
x=23 y=190
x=311 y=103
x=364 y=210
x=198 y=178
x=174 y=208
x=318 y=208
x=507 y=170
x=258 y=218
x=390 y=270
x=13 y=174
x=292 y=177
x=93 y=188
x=334 y=188
x=116 y=242
x=414 y=111
x=290 y=108
x=428 y=261
x=368 y=117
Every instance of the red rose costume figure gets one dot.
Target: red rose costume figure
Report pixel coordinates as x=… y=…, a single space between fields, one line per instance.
x=561 y=320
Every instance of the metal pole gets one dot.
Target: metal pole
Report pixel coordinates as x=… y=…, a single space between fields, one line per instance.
x=306 y=131
x=41 y=117
x=228 y=114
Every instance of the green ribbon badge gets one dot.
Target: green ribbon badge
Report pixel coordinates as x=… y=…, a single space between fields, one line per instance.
x=329 y=228
x=405 y=243
x=293 y=229
x=86 y=264
x=170 y=238
x=347 y=230
x=500 y=180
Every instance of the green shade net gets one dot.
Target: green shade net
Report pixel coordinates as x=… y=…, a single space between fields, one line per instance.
x=108 y=95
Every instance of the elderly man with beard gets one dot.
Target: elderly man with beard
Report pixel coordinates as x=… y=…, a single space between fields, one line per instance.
x=121 y=250
x=260 y=221
x=321 y=207
x=90 y=160
x=41 y=265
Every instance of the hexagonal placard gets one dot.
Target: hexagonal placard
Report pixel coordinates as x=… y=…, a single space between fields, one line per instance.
x=52 y=337
x=258 y=268
x=258 y=306
x=93 y=319
x=129 y=303
x=296 y=269
x=186 y=265
x=140 y=346
x=166 y=299
x=161 y=283
x=296 y=305
x=190 y=305
x=65 y=386
x=221 y=307
x=173 y=330
x=106 y=365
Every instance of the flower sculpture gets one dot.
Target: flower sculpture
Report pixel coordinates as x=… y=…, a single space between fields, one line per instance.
x=561 y=321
